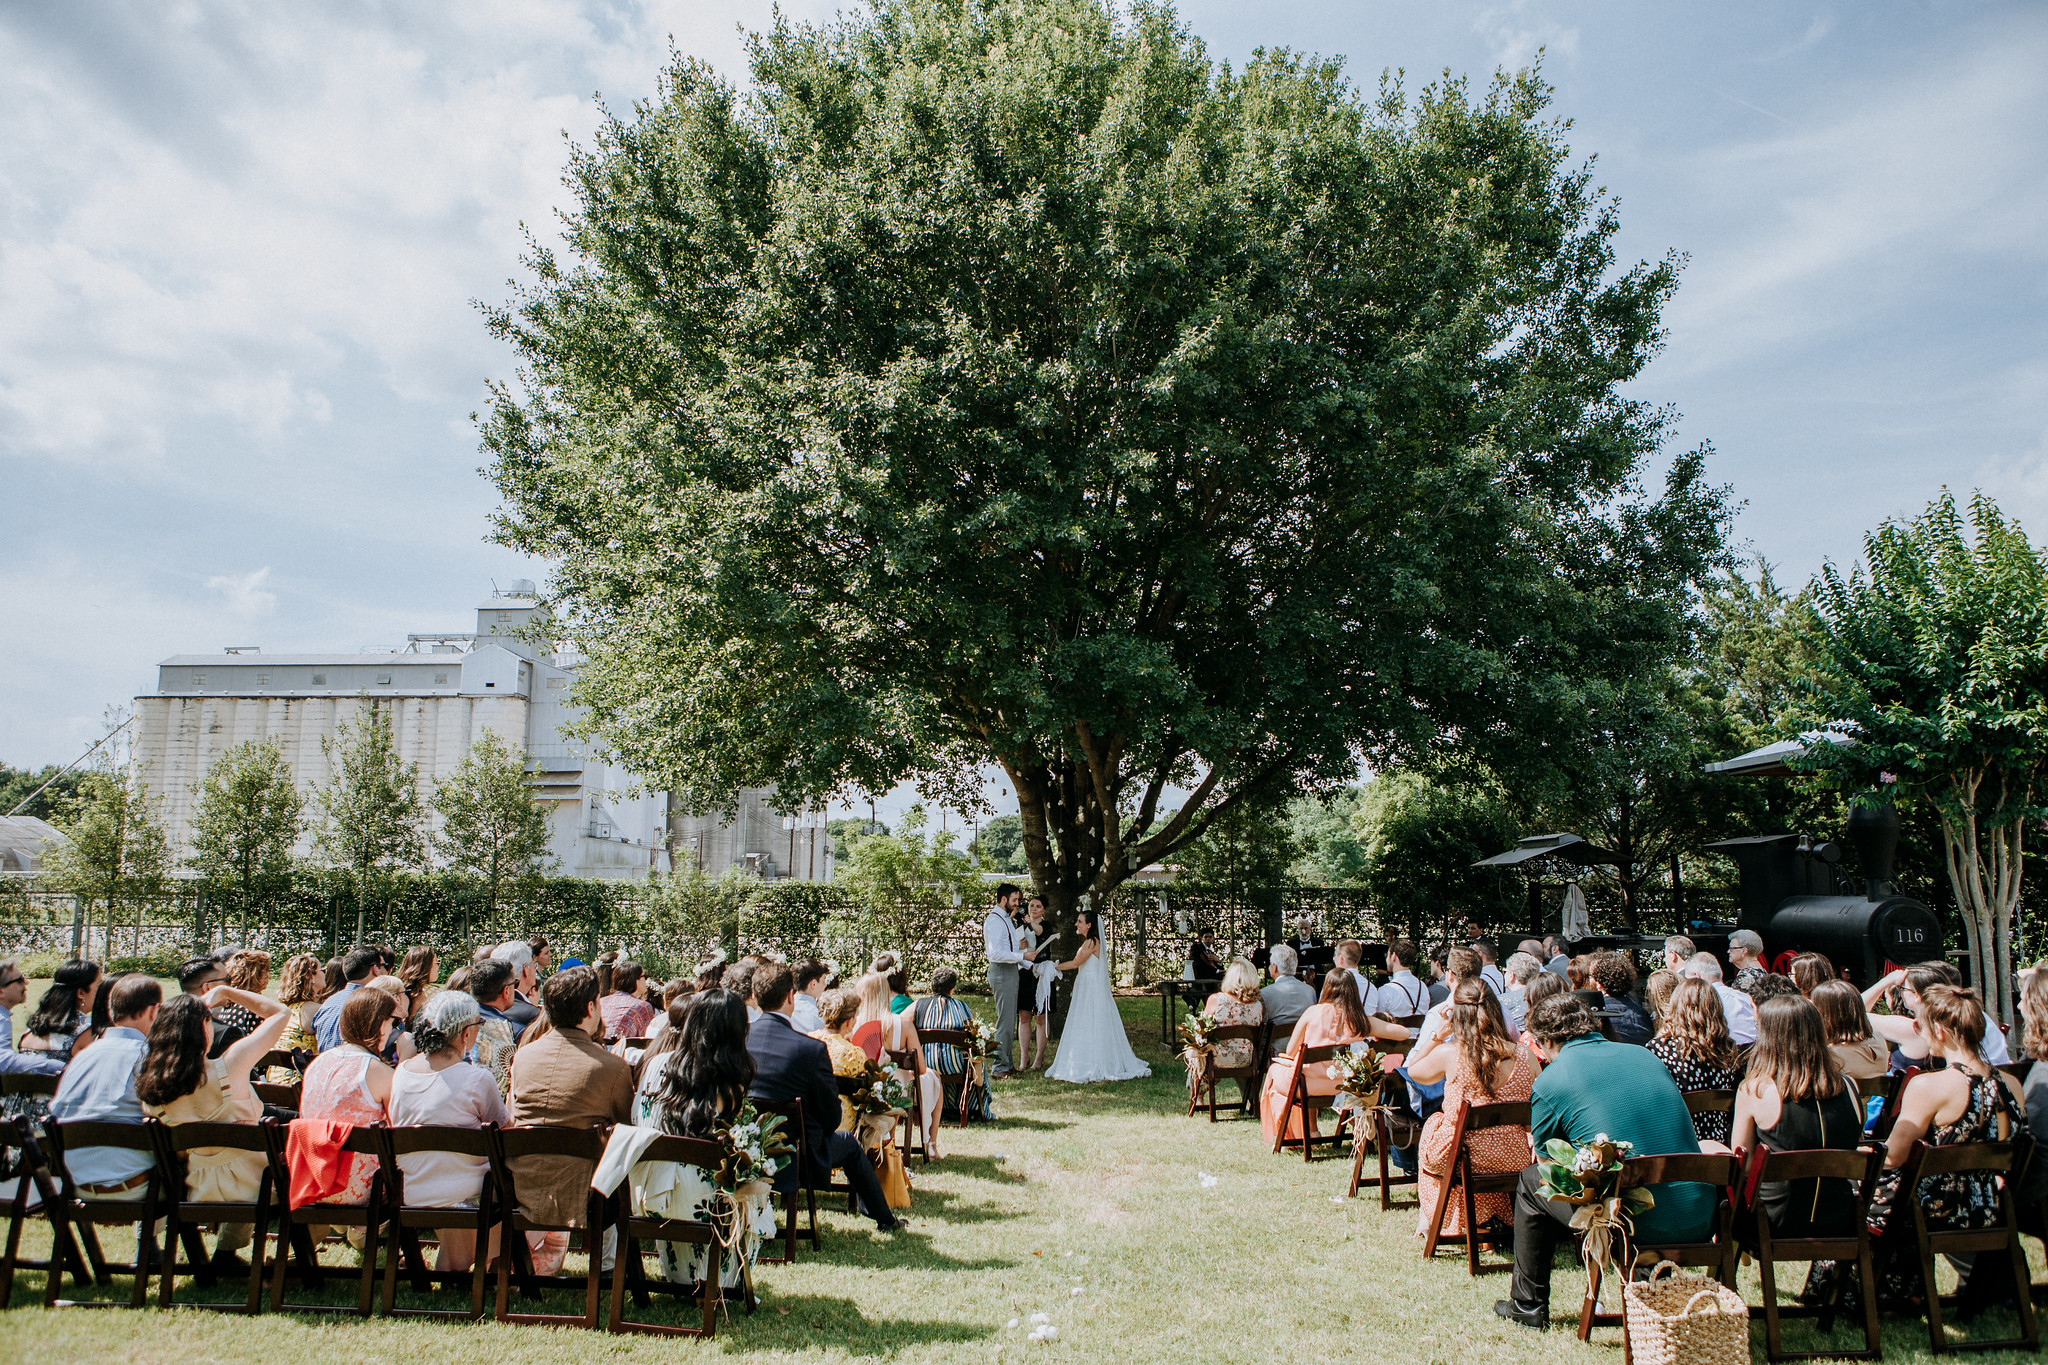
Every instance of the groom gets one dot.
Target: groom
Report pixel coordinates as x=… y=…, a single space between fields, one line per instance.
x=1005 y=961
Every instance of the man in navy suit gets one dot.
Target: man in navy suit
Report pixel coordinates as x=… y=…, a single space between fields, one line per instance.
x=789 y=1066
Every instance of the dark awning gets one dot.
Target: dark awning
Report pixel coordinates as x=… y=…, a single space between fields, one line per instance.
x=1569 y=847
x=1773 y=760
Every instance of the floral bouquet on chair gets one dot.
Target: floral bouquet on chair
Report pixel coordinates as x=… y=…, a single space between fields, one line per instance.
x=1588 y=1177
x=879 y=1098
x=1361 y=1082
x=753 y=1150
x=1196 y=1045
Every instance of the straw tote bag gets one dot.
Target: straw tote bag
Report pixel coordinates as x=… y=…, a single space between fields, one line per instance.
x=1685 y=1319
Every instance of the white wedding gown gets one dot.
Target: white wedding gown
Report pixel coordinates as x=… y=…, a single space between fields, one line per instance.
x=1093 y=1046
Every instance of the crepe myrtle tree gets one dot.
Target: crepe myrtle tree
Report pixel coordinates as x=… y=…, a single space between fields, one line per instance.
x=1933 y=656
x=1010 y=384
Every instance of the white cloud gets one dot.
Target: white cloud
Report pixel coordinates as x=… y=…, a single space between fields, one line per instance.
x=245 y=595
x=1517 y=32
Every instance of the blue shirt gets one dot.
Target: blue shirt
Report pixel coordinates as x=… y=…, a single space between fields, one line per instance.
x=100 y=1086
x=14 y=1063
x=1597 y=1087
x=327 y=1019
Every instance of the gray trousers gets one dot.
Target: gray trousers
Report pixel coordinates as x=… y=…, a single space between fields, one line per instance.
x=1002 y=978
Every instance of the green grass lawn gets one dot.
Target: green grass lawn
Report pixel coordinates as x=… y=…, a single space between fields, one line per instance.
x=1094 y=1190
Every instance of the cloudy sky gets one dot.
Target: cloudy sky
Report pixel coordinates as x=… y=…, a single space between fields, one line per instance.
x=240 y=246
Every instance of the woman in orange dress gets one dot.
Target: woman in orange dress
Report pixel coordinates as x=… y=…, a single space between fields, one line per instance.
x=1481 y=1066
x=1336 y=1018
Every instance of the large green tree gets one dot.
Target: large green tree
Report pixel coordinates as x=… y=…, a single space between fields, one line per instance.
x=1006 y=382
x=1933 y=656
x=114 y=846
x=372 y=821
x=244 y=825
x=1421 y=839
x=913 y=887
x=491 y=829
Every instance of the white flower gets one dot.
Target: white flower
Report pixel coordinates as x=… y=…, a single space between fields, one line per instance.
x=1039 y=1319
x=1076 y=1291
x=1011 y=1325
x=1209 y=1182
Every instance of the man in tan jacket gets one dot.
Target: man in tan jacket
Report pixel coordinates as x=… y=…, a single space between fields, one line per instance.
x=563 y=1079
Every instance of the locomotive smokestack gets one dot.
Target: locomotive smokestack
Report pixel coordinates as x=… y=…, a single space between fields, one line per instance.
x=1874 y=834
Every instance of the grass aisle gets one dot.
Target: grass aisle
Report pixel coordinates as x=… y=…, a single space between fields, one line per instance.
x=1090 y=1188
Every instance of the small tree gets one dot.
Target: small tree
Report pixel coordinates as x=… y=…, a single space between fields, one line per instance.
x=1326 y=837
x=115 y=845
x=1420 y=843
x=913 y=892
x=1933 y=656
x=490 y=827
x=371 y=817
x=247 y=819
x=690 y=910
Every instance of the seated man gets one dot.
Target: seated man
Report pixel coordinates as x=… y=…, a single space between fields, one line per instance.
x=14 y=990
x=1736 y=1005
x=1590 y=1087
x=526 y=1003
x=563 y=1079
x=1202 y=957
x=1615 y=974
x=789 y=1066
x=100 y=1086
x=1403 y=995
x=357 y=968
x=1286 y=996
x=490 y=982
x=1350 y=954
x=810 y=984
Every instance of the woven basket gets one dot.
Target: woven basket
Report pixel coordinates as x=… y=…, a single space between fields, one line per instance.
x=1685 y=1318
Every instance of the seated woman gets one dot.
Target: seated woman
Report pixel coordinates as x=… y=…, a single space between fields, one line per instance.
x=64 y=1013
x=1902 y=990
x=1335 y=1019
x=1858 y=1052
x=438 y=1088
x=627 y=1014
x=1657 y=995
x=351 y=1084
x=693 y=1090
x=1482 y=1066
x=176 y=1084
x=1809 y=970
x=940 y=1010
x=1694 y=1045
x=882 y=1030
x=249 y=971
x=840 y=1008
x=1795 y=1098
x=890 y=967
x=1236 y=1002
x=300 y=989
x=1579 y=975
x=1967 y=1100
x=1614 y=975
x=1541 y=989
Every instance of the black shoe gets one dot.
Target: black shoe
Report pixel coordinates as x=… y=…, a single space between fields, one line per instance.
x=893 y=1225
x=227 y=1263
x=1535 y=1315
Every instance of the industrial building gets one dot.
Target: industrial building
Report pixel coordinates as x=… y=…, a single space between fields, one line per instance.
x=441 y=693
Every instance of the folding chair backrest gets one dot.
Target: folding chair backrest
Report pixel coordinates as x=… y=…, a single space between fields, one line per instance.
x=180 y=1138
x=279 y=1057
x=409 y=1140
x=792 y=1112
x=1819 y=1164
x=1501 y=1114
x=903 y=1057
x=1961 y=1158
x=514 y=1143
x=67 y=1138
x=946 y=1037
x=282 y=1096
x=1703 y=1168
x=1410 y=1020
x=25 y=1084
x=1709 y=1101
x=687 y=1151
x=1234 y=1032
x=1310 y=1056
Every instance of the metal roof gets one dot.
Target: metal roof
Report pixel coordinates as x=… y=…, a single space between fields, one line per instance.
x=1570 y=847
x=1773 y=760
x=21 y=842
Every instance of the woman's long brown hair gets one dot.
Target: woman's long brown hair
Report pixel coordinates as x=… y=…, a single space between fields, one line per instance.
x=1693 y=1019
x=1341 y=989
x=1481 y=1031
x=1792 y=1050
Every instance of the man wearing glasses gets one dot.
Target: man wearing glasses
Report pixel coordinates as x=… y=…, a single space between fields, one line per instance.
x=14 y=990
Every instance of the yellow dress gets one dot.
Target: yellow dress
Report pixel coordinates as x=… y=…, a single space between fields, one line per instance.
x=297 y=1037
x=847 y=1060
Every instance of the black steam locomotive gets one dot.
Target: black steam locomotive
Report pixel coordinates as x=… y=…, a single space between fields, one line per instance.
x=1796 y=897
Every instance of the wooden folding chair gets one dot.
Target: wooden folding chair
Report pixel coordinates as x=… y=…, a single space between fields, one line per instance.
x=1894 y=1094
x=793 y=1127
x=1299 y=1100
x=1247 y=1076
x=635 y=1229
x=183 y=1215
x=956 y=1039
x=1698 y=1102
x=76 y=1212
x=481 y=1218
x=509 y=1145
x=1925 y=1162
x=1468 y=1120
x=1860 y=1168
x=294 y=1233
x=36 y=1196
x=279 y=1096
x=1718 y=1254
x=911 y=1138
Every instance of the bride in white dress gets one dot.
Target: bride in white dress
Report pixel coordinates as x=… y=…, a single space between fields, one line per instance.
x=1093 y=1046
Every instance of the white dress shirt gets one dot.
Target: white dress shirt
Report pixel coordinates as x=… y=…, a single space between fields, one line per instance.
x=1403 y=995
x=1368 y=994
x=1740 y=1012
x=999 y=937
x=1491 y=975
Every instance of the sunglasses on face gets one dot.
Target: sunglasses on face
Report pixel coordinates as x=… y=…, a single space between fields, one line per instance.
x=12 y=981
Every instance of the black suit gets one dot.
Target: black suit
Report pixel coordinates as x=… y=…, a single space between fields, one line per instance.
x=790 y=1066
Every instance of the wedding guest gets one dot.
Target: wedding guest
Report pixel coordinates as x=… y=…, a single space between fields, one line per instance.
x=357 y=968
x=1488 y=971
x=1588 y=1088
x=699 y=1088
x=841 y=1009
x=1579 y=976
x=1794 y=1099
x=940 y=1010
x=1440 y=974
x=62 y=1016
x=1858 y=1052
x=525 y=1007
x=333 y=978
x=350 y=1083
x=1809 y=970
x=711 y=972
x=1657 y=994
x=1336 y=1018
x=898 y=982
x=1522 y=969
x=490 y=985
x=563 y=1079
x=626 y=1011
x=1693 y=1043
x=789 y=1066
x=1483 y=1065
x=738 y=979
x=1736 y=1006
x=1556 y=960
x=1768 y=985
x=100 y=1086
x=298 y=990
x=2034 y=1041
x=1543 y=988
x=1286 y=997
x=1903 y=1031
x=810 y=985
x=1347 y=956
x=177 y=1085
x=1035 y=979
x=1460 y=965
x=1745 y=957
x=1402 y=995
x=884 y=1031
x=1615 y=976
x=197 y=977
x=419 y=970
x=438 y=1088
x=1678 y=950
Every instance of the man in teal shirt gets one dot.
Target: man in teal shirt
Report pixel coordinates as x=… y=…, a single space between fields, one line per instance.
x=1591 y=1087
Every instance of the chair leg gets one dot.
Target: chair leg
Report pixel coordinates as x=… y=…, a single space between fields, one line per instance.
x=1590 y=1304
x=1766 y=1269
x=1866 y=1270
x=1357 y=1166
x=1471 y=1210
x=1937 y=1338
x=173 y=1236
x=2016 y=1257
x=616 y=1322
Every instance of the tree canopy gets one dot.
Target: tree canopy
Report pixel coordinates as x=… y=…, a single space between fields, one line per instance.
x=491 y=829
x=372 y=820
x=244 y=826
x=1005 y=381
